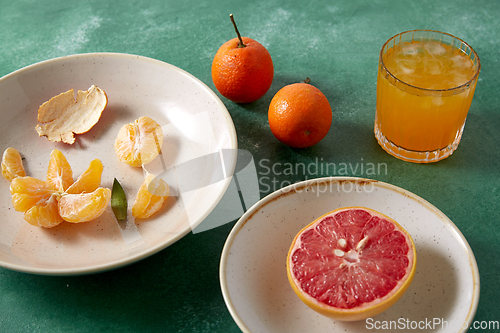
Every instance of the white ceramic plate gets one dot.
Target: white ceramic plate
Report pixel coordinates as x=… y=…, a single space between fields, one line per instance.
x=444 y=293
x=195 y=123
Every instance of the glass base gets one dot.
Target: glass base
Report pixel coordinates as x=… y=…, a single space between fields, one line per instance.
x=412 y=155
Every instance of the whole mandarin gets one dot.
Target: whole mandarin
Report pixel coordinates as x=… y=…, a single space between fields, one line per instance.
x=242 y=69
x=299 y=115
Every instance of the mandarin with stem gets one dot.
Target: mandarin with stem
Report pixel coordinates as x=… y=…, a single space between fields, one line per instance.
x=242 y=69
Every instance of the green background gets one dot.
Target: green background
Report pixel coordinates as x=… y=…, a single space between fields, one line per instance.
x=336 y=44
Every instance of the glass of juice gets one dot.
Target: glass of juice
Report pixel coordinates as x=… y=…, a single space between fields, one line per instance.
x=425 y=84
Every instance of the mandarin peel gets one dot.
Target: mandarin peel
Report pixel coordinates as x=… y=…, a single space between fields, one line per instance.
x=63 y=116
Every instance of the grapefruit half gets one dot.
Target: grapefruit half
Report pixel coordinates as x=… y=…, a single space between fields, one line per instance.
x=351 y=264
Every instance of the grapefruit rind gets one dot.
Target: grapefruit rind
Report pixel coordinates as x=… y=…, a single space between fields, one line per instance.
x=367 y=310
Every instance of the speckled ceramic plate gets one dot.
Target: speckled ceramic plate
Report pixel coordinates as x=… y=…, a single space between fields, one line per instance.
x=443 y=296
x=195 y=123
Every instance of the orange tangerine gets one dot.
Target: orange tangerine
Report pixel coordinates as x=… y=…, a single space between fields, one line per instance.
x=300 y=115
x=139 y=143
x=351 y=264
x=150 y=197
x=242 y=69
x=12 y=164
x=84 y=207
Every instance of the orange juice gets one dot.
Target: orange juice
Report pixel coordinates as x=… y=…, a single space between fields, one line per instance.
x=425 y=87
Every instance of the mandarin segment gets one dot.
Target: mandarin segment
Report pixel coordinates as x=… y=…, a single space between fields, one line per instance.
x=84 y=207
x=49 y=203
x=88 y=181
x=139 y=143
x=12 y=164
x=44 y=214
x=150 y=197
x=59 y=173
x=153 y=206
x=27 y=191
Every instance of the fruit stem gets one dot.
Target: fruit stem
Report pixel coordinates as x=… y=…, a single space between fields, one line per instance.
x=307 y=80
x=237 y=32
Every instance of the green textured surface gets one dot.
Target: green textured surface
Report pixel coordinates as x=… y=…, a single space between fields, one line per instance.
x=336 y=44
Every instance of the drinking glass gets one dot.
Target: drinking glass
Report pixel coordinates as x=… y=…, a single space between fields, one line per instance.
x=425 y=84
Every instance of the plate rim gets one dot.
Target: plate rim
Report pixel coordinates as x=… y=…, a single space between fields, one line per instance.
x=151 y=251
x=293 y=188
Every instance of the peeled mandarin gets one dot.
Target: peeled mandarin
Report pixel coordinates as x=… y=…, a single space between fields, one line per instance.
x=139 y=143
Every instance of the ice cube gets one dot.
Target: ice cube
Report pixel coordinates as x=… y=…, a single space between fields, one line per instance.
x=434 y=49
x=406 y=66
x=461 y=63
x=433 y=67
x=438 y=100
x=411 y=50
x=459 y=79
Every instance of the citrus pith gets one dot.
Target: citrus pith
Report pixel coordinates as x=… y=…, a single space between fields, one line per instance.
x=351 y=264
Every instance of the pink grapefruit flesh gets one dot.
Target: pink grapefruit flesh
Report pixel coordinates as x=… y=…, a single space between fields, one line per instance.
x=352 y=263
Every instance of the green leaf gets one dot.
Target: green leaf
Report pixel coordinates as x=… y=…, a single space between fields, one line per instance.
x=118 y=201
